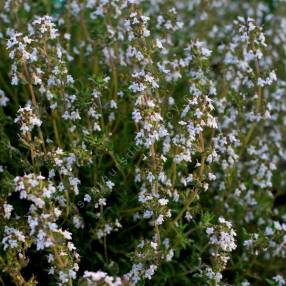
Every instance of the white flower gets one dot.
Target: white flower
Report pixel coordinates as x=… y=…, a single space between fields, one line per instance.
x=159 y=44
x=78 y=222
x=188 y=216
x=7 y=210
x=27 y=119
x=109 y=184
x=87 y=198
x=159 y=220
x=210 y=230
x=279 y=280
x=113 y=104
x=163 y=202
x=268 y=231
x=12 y=237
x=150 y=271
x=3 y=99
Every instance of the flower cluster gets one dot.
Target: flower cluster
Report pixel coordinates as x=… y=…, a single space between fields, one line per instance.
x=27 y=119
x=222 y=242
x=43 y=228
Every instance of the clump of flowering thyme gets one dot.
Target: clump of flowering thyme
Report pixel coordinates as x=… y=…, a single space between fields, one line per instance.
x=142 y=142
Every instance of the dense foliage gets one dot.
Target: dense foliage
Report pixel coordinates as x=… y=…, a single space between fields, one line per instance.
x=142 y=142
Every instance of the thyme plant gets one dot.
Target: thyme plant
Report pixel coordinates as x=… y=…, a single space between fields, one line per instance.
x=142 y=142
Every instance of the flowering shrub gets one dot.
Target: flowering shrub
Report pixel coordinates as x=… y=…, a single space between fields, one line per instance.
x=142 y=142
